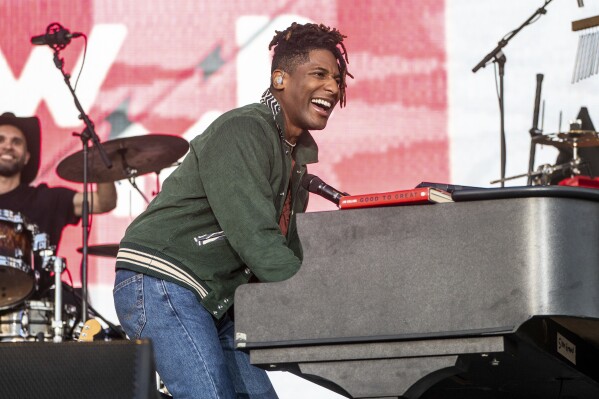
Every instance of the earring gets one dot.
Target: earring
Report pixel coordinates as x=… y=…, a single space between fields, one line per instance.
x=279 y=80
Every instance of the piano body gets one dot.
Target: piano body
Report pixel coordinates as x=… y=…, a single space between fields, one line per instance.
x=486 y=298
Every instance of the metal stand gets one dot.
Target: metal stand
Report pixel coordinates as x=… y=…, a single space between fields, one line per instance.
x=56 y=264
x=544 y=172
x=500 y=59
x=576 y=162
x=131 y=173
x=136 y=187
x=57 y=324
x=534 y=131
x=87 y=134
x=496 y=55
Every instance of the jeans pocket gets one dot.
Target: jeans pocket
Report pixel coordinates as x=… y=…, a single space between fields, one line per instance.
x=128 y=296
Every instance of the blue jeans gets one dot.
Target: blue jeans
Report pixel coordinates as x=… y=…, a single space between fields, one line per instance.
x=195 y=353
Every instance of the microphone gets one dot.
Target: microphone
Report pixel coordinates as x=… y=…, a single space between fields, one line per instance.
x=55 y=35
x=315 y=185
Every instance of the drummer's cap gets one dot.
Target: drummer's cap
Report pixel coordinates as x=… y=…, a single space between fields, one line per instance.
x=30 y=126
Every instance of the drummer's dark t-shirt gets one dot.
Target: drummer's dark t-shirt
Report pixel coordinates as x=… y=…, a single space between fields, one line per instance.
x=49 y=208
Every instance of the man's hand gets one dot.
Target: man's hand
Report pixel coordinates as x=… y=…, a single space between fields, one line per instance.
x=103 y=199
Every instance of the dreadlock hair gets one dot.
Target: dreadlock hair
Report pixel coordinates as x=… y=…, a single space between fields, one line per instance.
x=293 y=45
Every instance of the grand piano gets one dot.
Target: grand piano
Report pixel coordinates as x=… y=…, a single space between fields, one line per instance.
x=493 y=296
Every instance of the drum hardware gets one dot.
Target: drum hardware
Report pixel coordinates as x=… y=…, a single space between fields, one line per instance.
x=540 y=176
x=41 y=241
x=32 y=321
x=56 y=264
x=535 y=130
x=29 y=321
x=19 y=241
x=573 y=139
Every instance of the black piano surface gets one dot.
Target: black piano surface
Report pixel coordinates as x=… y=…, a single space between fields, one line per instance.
x=493 y=298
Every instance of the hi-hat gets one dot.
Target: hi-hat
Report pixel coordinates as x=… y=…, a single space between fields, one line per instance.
x=130 y=156
x=573 y=138
x=107 y=250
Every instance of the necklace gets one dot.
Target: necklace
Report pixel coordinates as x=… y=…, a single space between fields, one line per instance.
x=289 y=144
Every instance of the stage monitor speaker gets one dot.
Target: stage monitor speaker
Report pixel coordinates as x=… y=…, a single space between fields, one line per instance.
x=77 y=370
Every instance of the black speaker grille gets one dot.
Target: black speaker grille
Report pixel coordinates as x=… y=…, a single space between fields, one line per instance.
x=117 y=369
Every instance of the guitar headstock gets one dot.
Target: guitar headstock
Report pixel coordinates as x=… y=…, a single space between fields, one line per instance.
x=90 y=329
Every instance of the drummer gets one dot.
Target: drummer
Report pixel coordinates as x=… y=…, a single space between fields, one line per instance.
x=49 y=208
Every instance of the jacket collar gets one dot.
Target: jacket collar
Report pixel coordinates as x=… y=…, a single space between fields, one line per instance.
x=307 y=150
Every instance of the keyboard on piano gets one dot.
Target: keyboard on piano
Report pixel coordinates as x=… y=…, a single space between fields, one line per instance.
x=480 y=299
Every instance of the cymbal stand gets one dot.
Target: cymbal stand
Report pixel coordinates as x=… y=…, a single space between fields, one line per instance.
x=542 y=170
x=496 y=55
x=157 y=184
x=576 y=161
x=534 y=131
x=174 y=165
x=135 y=186
x=131 y=173
x=575 y=167
x=87 y=134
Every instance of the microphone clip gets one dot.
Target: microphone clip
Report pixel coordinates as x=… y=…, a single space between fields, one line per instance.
x=56 y=36
x=58 y=30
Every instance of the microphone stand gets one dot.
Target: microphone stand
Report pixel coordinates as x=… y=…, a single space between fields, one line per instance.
x=534 y=131
x=87 y=134
x=496 y=55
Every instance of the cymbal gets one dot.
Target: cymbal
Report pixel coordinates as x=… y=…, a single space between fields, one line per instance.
x=573 y=138
x=130 y=156
x=107 y=250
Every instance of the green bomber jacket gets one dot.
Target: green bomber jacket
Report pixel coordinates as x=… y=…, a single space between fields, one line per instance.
x=215 y=222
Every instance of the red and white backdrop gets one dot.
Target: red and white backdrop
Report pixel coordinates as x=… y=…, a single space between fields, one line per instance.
x=415 y=111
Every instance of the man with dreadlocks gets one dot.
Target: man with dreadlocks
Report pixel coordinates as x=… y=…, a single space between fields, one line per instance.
x=226 y=217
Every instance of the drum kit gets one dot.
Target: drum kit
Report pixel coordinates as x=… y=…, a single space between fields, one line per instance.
x=573 y=140
x=25 y=252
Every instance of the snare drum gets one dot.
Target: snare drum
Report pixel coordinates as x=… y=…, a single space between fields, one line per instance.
x=18 y=240
x=29 y=322
x=32 y=321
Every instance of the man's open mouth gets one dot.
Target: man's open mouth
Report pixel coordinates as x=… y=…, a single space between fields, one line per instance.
x=321 y=103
